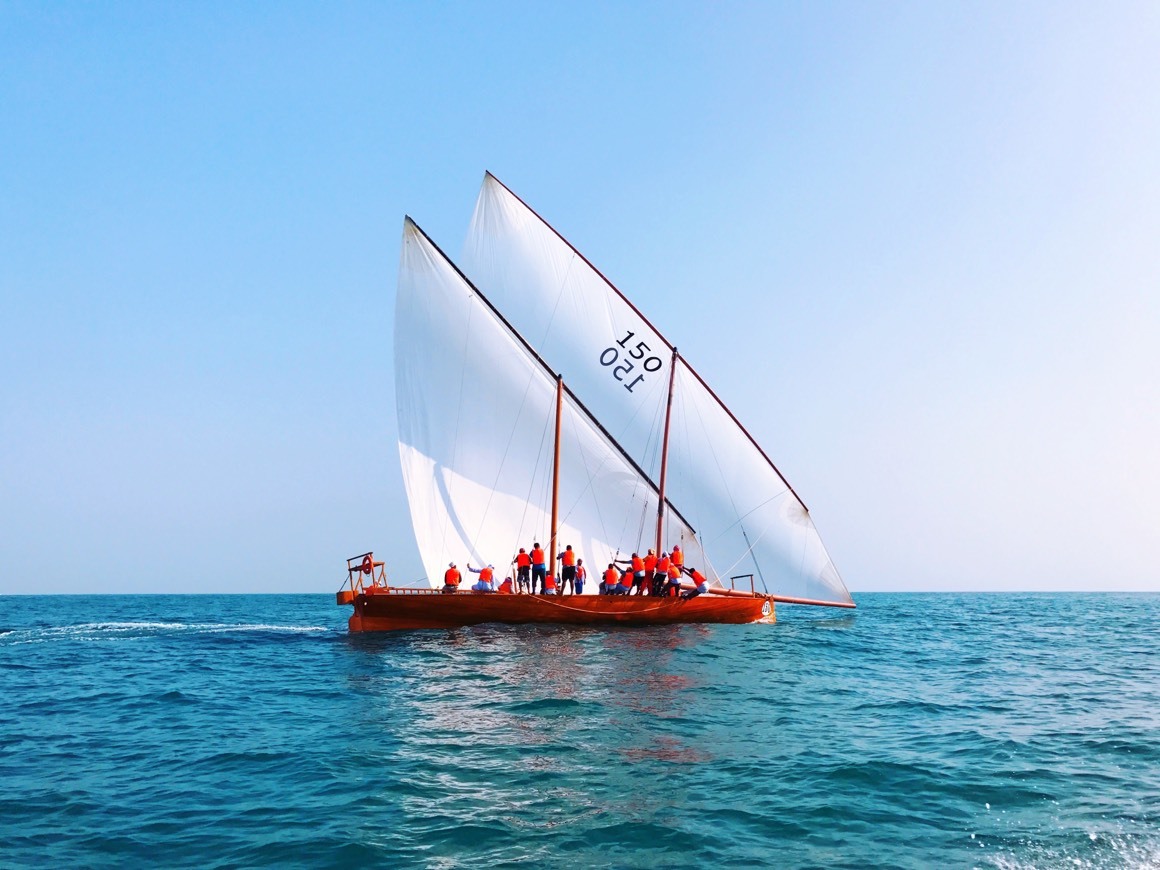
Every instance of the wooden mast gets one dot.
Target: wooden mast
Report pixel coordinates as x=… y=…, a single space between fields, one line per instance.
x=556 y=471
x=665 y=454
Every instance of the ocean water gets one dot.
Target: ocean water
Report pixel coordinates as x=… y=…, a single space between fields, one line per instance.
x=948 y=730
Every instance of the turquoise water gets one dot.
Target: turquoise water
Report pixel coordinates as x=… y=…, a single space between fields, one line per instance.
x=957 y=730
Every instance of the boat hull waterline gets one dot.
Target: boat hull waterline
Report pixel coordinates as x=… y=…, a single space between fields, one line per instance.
x=398 y=610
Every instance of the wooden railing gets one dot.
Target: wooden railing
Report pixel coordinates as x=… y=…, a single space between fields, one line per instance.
x=361 y=573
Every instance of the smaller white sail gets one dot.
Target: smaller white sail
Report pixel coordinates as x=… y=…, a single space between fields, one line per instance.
x=476 y=413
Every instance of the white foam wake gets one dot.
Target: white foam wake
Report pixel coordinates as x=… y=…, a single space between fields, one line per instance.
x=110 y=630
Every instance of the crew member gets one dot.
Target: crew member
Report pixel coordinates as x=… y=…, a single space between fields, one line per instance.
x=581 y=573
x=661 y=574
x=611 y=580
x=485 y=578
x=505 y=588
x=550 y=585
x=451 y=578
x=539 y=567
x=567 y=560
x=523 y=570
x=637 y=574
x=699 y=581
x=650 y=569
x=677 y=557
x=674 y=579
x=625 y=587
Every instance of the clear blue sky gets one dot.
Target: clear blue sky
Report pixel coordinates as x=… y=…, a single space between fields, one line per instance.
x=916 y=247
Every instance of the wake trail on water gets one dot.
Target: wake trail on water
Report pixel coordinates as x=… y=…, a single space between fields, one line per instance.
x=97 y=631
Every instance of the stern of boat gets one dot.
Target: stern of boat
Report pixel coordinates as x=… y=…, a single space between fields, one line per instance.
x=364 y=576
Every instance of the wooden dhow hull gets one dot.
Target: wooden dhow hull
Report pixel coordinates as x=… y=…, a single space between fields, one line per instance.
x=399 y=609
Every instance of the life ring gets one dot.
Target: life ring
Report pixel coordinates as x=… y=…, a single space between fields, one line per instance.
x=368 y=566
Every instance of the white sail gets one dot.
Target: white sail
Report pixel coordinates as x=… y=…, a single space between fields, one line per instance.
x=476 y=413
x=747 y=516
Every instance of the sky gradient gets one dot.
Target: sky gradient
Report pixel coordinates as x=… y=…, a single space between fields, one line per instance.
x=914 y=247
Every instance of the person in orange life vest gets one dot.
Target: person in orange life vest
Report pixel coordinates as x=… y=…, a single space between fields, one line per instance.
x=650 y=562
x=674 y=580
x=539 y=566
x=650 y=570
x=550 y=585
x=451 y=578
x=581 y=573
x=625 y=587
x=485 y=583
x=523 y=564
x=699 y=581
x=677 y=557
x=567 y=560
x=661 y=574
x=505 y=588
x=611 y=580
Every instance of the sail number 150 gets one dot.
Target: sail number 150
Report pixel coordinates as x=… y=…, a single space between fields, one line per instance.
x=629 y=360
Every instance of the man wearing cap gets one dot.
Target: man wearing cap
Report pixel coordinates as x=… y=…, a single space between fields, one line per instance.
x=451 y=578
x=539 y=567
x=523 y=570
x=661 y=577
x=567 y=560
x=650 y=568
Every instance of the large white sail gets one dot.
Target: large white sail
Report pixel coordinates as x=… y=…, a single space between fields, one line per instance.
x=476 y=413
x=748 y=518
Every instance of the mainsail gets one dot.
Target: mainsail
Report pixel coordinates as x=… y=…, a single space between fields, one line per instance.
x=748 y=518
x=475 y=412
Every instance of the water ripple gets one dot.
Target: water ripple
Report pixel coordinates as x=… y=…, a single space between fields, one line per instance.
x=1006 y=731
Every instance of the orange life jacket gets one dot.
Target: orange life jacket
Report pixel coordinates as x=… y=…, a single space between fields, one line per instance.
x=485 y=575
x=650 y=563
x=626 y=580
x=523 y=560
x=674 y=572
x=637 y=564
x=698 y=577
x=677 y=557
x=663 y=565
x=506 y=586
x=451 y=577
x=611 y=576
x=569 y=558
x=538 y=556
x=549 y=584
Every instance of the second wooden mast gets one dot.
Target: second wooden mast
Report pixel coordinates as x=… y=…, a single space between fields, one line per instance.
x=556 y=471
x=665 y=456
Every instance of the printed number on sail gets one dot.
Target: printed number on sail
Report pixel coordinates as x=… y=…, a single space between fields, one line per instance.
x=628 y=362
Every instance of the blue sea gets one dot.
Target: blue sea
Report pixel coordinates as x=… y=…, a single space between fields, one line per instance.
x=974 y=730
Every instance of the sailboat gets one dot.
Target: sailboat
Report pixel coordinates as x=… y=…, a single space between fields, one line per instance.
x=535 y=402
